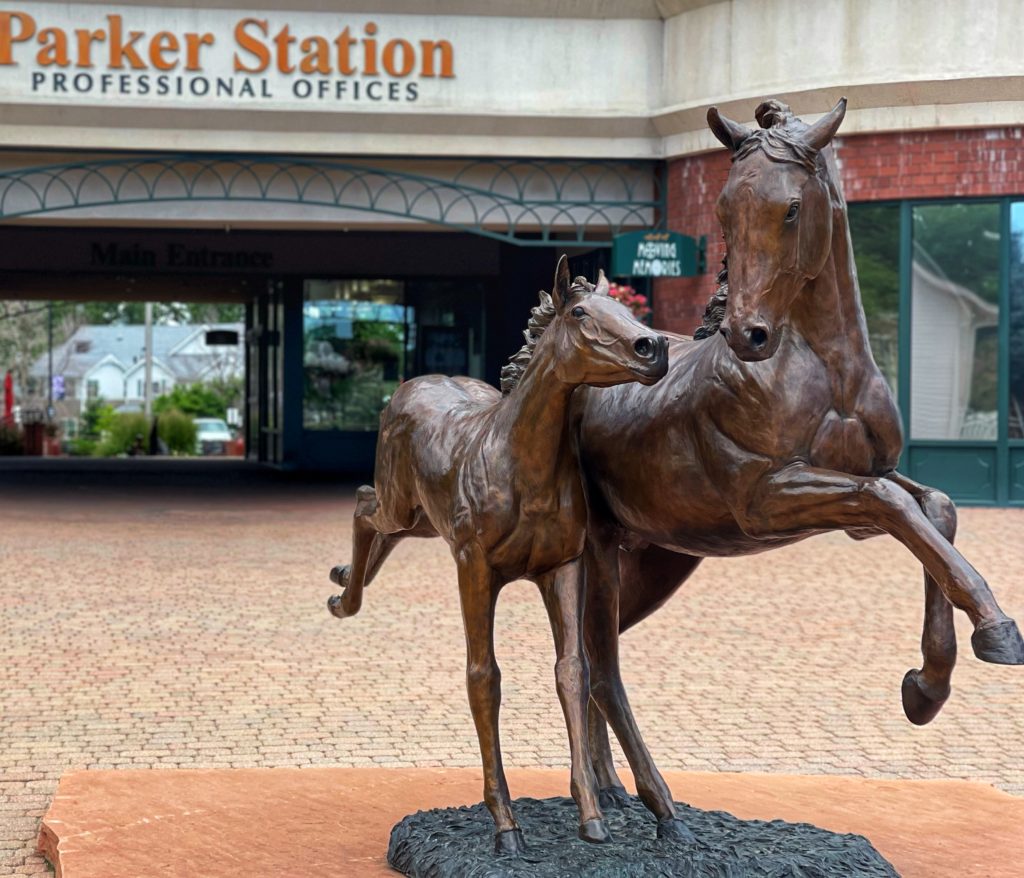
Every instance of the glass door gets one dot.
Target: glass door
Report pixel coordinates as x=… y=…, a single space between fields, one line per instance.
x=264 y=375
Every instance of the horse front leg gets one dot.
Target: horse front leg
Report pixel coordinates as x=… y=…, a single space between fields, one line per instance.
x=925 y=691
x=800 y=498
x=478 y=593
x=563 y=591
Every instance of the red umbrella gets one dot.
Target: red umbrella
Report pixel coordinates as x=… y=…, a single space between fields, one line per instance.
x=8 y=396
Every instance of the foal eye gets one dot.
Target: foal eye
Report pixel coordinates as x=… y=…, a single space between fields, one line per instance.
x=794 y=209
x=578 y=312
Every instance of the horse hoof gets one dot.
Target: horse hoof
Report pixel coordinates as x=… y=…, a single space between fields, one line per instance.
x=612 y=798
x=510 y=841
x=339 y=574
x=673 y=829
x=1000 y=644
x=336 y=605
x=918 y=705
x=595 y=832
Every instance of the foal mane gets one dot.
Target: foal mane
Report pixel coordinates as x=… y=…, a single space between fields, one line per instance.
x=779 y=139
x=540 y=318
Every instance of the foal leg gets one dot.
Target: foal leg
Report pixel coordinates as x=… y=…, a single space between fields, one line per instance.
x=925 y=691
x=602 y=637
x=478 y=591
x=562 y=591
x=352 y=577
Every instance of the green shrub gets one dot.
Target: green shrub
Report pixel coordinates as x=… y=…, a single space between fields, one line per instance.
x=11 y=440
x=210 y=399
x=82 y=446
x=120 y=433
x=178 y=432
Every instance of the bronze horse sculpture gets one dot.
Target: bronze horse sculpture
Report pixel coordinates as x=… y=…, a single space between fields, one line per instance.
x=497 y=476
x=773 y=428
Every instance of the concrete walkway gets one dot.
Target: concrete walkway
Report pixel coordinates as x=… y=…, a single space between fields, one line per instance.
x=169 y=629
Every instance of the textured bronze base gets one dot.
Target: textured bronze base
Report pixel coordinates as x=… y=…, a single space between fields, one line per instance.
x=459 y=843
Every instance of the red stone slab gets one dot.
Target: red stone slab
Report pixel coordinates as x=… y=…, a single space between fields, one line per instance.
x=284 y=822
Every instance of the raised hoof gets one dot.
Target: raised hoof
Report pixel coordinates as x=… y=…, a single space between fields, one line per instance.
x=918 y=705
x=673 y=829
x=612 y=798
x=510 y=841
x=339 y=574
x=336 y=605
x=1000 y=644
x=595 y=832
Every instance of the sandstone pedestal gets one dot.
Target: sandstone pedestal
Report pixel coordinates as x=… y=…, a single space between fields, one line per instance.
x=287 y=823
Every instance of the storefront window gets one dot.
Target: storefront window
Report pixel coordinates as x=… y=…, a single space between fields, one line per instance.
x=875 y=229
x=954 y=331
x=1016 y=413
x=354 y=351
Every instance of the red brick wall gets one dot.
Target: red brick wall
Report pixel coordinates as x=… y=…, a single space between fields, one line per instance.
x=874 y=167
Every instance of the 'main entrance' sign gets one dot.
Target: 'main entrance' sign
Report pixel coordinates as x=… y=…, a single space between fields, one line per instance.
x=657 y=254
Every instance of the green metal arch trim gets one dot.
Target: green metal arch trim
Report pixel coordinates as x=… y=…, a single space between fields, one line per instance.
x=534 y=197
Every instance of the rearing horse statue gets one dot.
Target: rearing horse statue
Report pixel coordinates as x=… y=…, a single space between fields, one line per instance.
x=775 y=428
x=497 y=476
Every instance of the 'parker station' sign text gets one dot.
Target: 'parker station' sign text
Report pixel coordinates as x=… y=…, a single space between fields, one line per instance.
x=142 y=54
x=656 y=254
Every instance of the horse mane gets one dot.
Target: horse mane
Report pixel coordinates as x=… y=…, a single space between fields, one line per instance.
x=540 y=318
x=779 y=139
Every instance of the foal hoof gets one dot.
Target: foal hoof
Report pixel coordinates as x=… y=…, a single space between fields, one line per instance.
x=339 y=574
x=336 y=606
x=510 y=841
x=612 y=798
x=920 y=707
x=595 y=832
x=673 y=829
x=1000 y=644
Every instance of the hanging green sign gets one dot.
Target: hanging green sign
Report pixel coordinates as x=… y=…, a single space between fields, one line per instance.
x=657 y=254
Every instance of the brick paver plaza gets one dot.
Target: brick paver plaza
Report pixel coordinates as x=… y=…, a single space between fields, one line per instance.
x=168 y=630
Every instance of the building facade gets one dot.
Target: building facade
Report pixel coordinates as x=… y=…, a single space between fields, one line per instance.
x=387 y=185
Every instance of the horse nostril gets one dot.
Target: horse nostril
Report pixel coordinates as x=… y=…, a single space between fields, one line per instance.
x=644 y=347
x=758 y=337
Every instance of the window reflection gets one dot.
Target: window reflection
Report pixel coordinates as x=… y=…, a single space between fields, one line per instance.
x=1016 y=412
x=875 y=230
x=354 y=351
x=954 y=331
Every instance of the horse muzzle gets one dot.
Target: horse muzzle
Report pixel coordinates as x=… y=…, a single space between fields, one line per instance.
x=653 y=353
x=752 y=341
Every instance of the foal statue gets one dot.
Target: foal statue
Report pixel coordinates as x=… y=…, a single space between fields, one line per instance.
x=776 y=426
x=497 y=476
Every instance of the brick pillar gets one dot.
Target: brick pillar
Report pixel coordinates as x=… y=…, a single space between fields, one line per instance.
x=694 y=184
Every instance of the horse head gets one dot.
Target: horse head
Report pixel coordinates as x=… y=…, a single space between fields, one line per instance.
x=776 y=211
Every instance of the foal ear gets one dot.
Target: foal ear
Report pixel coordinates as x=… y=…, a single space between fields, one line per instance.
x=560 y=294
x=729 y=133
x=602 y=288
x=820 y=134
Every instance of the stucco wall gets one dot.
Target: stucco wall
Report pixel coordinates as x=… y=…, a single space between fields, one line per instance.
x=555 y=78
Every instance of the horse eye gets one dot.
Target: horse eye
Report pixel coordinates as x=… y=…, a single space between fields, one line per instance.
x=578 y=312
x=794 y=209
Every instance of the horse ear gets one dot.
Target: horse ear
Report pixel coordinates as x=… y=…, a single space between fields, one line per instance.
x=820 y=134
x=729 y=133
x=602 y=288
x=560 y=288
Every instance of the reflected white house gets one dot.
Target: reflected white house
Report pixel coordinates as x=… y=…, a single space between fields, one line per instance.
x=944 y=332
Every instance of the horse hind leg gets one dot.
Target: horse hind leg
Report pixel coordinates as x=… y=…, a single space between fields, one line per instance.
x=368 y=553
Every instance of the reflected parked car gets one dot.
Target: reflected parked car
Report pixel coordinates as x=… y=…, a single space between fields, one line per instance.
x=212 y=436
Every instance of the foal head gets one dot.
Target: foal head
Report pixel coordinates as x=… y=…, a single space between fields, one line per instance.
x=590 y=338
x=776 y=211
